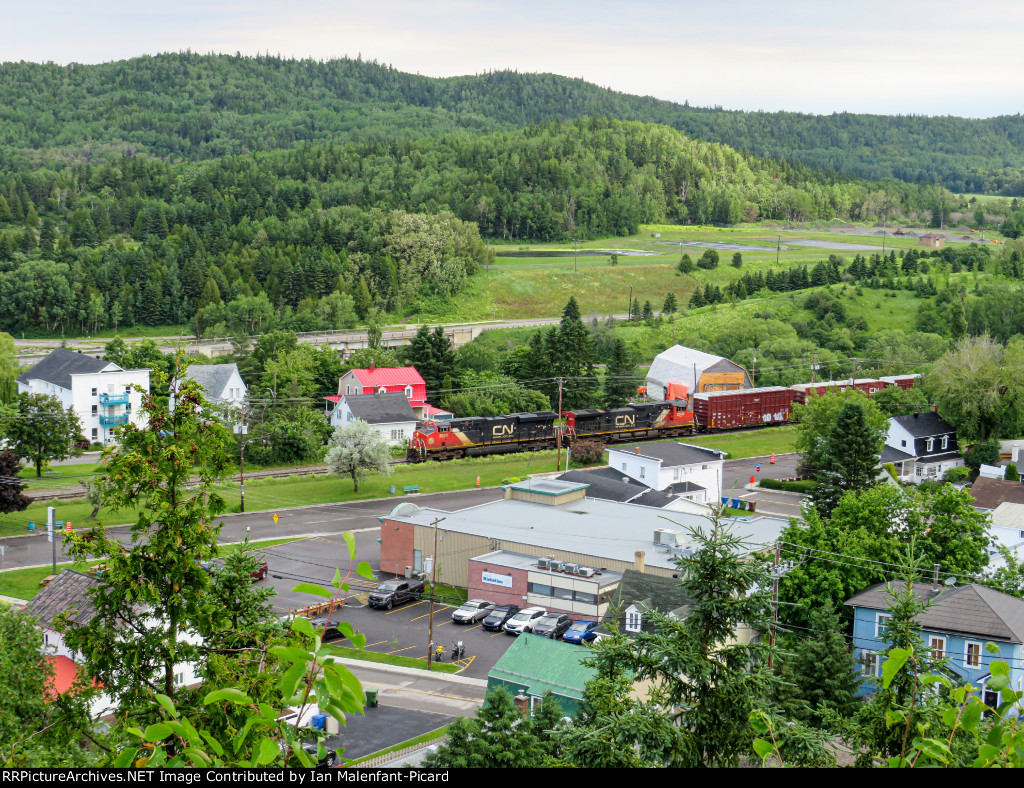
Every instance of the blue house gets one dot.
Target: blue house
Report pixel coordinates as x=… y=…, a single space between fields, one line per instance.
x=957 y=625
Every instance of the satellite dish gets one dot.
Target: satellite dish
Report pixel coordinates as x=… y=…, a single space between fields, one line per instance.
x=949 y=581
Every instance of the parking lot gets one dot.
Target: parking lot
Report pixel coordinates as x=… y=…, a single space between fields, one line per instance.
x=402 y=631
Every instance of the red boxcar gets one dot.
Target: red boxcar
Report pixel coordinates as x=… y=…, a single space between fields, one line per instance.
x=743 y=408
x=903 y=381
x=868 y=385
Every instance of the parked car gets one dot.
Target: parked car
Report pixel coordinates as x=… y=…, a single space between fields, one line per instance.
x=328 y=625
x=581 y=632
x=496 y=619
x=330 y=756
x=394 y=592
x=553 y=625
x=472 y=611
x=524 y=620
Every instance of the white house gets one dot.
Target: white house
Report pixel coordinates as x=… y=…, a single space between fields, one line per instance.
x=389 y=414
x=692 y=472
x=99 y=392
x=921 y=447
x=222 y=384
x=69 y=592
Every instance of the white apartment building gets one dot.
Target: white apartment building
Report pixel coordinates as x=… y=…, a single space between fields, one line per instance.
x=98 y=391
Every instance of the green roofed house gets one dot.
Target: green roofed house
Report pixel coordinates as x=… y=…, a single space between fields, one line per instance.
x=534 y=664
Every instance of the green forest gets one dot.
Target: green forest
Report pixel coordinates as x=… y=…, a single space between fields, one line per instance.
x=192 y=106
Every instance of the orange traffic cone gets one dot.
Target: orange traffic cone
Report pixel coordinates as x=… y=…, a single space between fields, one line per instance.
x=773 y=458
x=751 y=479
x=477 y=481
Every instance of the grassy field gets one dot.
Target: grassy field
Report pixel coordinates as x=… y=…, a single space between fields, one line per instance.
x=24 y=583
x=270 y=493
x=756 y=443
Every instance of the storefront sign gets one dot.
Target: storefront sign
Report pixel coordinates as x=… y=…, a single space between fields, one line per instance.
x=497 y=580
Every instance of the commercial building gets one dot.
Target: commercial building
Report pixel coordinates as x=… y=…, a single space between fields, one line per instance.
x=548 y=544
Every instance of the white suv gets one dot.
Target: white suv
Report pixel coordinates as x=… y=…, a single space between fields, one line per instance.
x=524 y=620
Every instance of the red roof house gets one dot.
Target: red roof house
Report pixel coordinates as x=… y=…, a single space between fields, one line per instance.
x=387 y=380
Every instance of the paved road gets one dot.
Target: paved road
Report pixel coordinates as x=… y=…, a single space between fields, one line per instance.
x=736 y=475
x=326 y=519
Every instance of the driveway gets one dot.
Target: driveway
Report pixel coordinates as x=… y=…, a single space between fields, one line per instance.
x=736 y=474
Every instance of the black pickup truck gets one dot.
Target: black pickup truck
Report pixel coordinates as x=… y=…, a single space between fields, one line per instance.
x=394 y=592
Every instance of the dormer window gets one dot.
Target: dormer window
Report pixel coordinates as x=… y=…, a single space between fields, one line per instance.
x=408 y=392
x=931 y=444
x=633 y=619
x=945 y=441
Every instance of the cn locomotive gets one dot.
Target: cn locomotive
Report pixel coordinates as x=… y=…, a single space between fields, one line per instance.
x=685 y=414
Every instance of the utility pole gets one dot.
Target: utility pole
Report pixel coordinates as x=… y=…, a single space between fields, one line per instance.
x=558 y=427
x=753 y=373
x=433 y=587
x=630 y=310
x=814 y=368
x=51 y=531
x=854 y=378
x=775 y=602
x=241 y=462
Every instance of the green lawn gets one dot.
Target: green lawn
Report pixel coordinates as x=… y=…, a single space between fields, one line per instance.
x=756 y=443
x=24 y=583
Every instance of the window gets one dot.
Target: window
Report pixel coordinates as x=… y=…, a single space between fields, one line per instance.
x=903 y=444
x=408 y=392
x=937 y=647
x=880 y=621
x=585 y=598
x=179 y=678
x=945 y=441
x=871 y=664
x=94 y=411
x=397 y=435
x=539 y=588
x=95 y=392
x=95 y=434
x=931 y=444
x=633 y=620
x=972 y=655
x=348 y=389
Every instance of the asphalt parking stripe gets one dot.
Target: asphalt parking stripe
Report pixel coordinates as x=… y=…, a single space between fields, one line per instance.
x=404 y=649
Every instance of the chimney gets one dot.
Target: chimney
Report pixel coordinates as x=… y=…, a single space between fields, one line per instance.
x=522 y=704
x=636 y=449
x=373 y=364
x=639 y=560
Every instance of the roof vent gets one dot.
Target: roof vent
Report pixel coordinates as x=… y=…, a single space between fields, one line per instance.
x=636 y=449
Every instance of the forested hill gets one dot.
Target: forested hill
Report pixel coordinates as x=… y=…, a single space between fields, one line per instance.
x=190 y=106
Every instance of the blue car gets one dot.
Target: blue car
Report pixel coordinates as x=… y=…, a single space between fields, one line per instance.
x=581 y=632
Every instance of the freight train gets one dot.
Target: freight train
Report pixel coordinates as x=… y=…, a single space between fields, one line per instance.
x=680 y=415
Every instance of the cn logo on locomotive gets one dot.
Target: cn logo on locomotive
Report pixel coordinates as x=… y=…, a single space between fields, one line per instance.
x=501 y=430
x=625 y=421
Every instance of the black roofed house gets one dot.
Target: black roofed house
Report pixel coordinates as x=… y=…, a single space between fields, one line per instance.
x=692 y=472
x=390 y=414
x=99 y=391
x=223 y=386
x=958 y=624
x=611 y=485
x=922 y=447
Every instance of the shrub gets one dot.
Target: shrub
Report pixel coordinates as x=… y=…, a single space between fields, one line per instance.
x=805 y=486
x=587 y=452
x=1011 y=472
x=960 y=474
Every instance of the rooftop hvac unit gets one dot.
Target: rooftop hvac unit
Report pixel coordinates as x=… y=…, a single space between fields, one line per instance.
x=544 y=563
x=684 y=551
x=585 y=571
x=556 y=566
x=570 y=568
x=666 y=537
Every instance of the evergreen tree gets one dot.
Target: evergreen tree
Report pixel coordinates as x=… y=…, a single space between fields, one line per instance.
x=671 y=305
x=737 y=260
x=648 y=311
x=635 y=310
x=420 y=354
x=697 y=299
x=820 y=672
x=573 y=360
x=445 y=361
x=686 y=265
x=849 y=459
x=620 y=377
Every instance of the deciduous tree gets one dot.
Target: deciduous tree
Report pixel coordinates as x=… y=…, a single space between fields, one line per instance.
x=356 y=449
x=41 y=430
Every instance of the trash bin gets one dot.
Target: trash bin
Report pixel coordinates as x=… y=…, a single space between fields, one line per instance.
x=31 y=526
x=725 y=501
x=743 y=505
x=371 y=696
x=735 y=503
x=391 y=489
x=319 y=722
x=751 y=505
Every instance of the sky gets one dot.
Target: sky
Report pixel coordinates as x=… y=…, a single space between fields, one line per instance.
x=897 y=57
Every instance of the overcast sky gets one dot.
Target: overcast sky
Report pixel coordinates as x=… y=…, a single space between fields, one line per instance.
x=895 y=57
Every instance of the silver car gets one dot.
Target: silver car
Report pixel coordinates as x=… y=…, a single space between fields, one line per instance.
x=524 y=620
x=472 y=611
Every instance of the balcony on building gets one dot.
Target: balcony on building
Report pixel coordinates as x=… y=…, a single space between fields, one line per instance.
x=114 y=421
x=107 y=400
